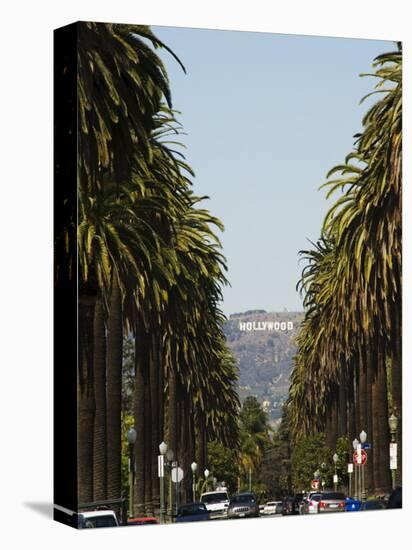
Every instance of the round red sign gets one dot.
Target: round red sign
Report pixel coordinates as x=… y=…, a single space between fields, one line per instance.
x=360 y=460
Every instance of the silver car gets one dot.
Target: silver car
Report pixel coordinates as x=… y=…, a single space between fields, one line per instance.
x=331 y=502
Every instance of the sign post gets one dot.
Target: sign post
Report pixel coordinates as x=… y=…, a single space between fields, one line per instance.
x=393 y=461
x=350 y=472
x=161 y=474
x=177 y=476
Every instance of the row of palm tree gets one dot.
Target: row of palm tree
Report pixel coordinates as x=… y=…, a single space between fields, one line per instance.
x=149 y=266
x=348 y=371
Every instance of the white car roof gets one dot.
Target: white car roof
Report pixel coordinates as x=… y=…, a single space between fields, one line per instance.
x=95 y=513
x=215 y=492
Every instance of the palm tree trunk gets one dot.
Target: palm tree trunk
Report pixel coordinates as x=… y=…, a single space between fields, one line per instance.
x=100 y=430
x=343 y=411
x=396 y=382
x=114 y=392
x=148 y=435
x=86 y=400
x=155 y=436
x=139 y=424
x=172 y=412
x=380 y=427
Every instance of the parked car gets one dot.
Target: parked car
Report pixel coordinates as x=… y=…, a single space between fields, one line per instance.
x=332 y=502
x=217 y=502
x=291 y=504
x=395 y=499
x=271 y=508
x=373 y=504
x=243 y=505
x=310 y=503
x=279 y=507
x=194 y=511
x=142 y=521
x=352 y=504
x=97 y=518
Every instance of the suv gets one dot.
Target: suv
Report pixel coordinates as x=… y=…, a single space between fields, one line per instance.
x=291 y=504
x=243 y=505
x=217 y=502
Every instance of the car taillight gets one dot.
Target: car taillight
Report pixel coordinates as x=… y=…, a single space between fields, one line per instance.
x=341 y=504
x=322 y=504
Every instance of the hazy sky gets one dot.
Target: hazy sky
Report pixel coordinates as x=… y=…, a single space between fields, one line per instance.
x=267 y=115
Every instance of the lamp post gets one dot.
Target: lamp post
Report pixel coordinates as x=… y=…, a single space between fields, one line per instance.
x=194 y=468
x=335 y=477
x=131 y=440
x=169 y=458
x=363 y=436
x=355 y=444
x=161 y=464
x=393 y=448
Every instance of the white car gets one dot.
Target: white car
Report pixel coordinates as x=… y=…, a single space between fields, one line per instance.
x=271 y=508
x=216 y=502
x=97 y=518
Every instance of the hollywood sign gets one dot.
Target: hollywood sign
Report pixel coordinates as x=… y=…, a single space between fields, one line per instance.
x=265 y=325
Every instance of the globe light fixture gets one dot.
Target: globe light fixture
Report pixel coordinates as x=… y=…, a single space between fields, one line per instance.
x=194 y=467
x=393 y=423
x=335 y=458
x=206 y=473
x=131 y=436
x=363 y=436
x=355 y=444
x=170 y=455
x=163 y=448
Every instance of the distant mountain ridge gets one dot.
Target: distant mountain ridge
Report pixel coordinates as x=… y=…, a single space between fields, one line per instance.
x=264 y=345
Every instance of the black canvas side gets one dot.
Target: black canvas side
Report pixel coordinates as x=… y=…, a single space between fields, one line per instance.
x=65 y=274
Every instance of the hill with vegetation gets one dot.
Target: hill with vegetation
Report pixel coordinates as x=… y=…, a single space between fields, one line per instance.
x=264 y=345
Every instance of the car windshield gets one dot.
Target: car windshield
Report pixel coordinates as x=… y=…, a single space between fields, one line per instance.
x=214 y=497
x=99 y=521
x=333 y=496
x=243 y=498
x=193 y=510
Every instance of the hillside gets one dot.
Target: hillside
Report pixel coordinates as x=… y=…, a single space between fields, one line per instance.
x=263 y=343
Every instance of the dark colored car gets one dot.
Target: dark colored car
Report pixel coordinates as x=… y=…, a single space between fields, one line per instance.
x=291 y=504
x=352 y=504
x=194 y=511
x=243 y=505
x=142 y=521
x=395 y=500
x=375 y=504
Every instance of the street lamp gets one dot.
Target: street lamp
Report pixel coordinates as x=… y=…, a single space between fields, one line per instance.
x=363 y=436
x=131 y=440
x=169 y=459
x=161 y=465
x=194 y=468
x=335 y=477
x=393 y=448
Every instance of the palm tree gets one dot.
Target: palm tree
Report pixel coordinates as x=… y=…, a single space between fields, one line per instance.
x=353 y=315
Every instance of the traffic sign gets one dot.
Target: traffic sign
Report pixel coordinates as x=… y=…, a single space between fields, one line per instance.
x=314 y=484
x=393 y=456
x=366 y=446
x=360 y=458
x=177 y=475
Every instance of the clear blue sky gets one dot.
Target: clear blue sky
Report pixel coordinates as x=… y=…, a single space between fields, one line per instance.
x=267 y=115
